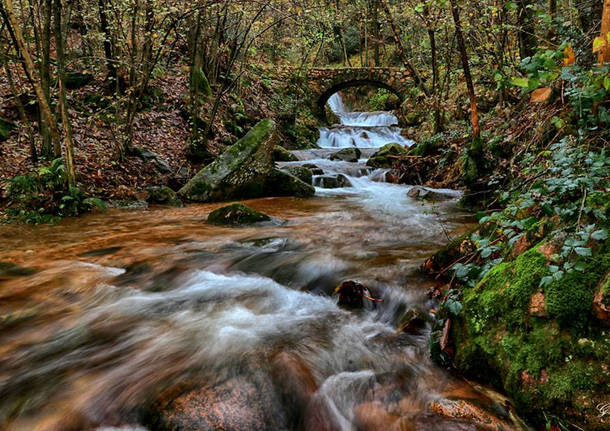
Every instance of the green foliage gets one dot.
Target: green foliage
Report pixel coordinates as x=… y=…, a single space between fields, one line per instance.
x=41 y=196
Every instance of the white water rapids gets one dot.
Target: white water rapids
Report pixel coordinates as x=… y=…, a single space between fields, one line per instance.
x=360 y=129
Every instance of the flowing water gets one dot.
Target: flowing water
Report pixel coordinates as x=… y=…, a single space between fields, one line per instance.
x=152 y=319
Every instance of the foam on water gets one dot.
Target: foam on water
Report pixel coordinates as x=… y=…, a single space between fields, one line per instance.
x=360 y=129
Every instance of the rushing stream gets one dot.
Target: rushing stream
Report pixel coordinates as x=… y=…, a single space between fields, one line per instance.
x=152 y=319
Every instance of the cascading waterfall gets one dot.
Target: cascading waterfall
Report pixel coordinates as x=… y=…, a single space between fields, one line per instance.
x=360 y=129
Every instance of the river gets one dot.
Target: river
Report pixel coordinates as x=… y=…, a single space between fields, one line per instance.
x=152 y=319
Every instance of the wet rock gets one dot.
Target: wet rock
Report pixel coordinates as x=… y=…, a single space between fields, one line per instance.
x=236 y=214
x=373 y=415
x=315 y=169
x=423 y=193
x=129 y=205
x=300 y=172
x=240 y=172
x=163 y=195
x=280 y=183
x=413 y=321
x=352 y=295
x=347 y=155
x=241 y=403
x=467 y=411
x=281 y=154
x=10 y=270
x=332 y=181
x=383 y=157
x=101 y=251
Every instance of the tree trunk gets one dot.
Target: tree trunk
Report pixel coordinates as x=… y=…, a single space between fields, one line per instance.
x=61 y=73
x=30 y=70
x=474 y=116
x=22 y=115
x=604 y=54
x=48 y=149
x=108 y=52
x=525 y=29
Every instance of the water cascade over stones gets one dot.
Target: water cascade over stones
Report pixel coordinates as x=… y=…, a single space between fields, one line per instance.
x=360 y=129
x=157 y=320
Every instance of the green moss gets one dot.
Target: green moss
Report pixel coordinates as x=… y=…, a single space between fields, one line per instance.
x=236 y=214
x=200 y=82
x=281 y=154
x=505 y=291
x=382 y=158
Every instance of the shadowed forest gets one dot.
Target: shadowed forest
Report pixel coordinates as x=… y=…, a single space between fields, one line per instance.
x=304 y=215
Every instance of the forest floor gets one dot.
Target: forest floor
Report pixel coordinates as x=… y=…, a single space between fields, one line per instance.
x=160 y=127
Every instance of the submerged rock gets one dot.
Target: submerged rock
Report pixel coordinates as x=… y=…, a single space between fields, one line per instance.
x=423 y=193
x=333 y=181
x=300 y=172
x=10 y=270
x=347 y=155
x=162 y=195
x=240 y=172
x=354 y=295
x=281 y=154
x=315 y=169
x=239 y=403
x=236 y=214
x=383 y=157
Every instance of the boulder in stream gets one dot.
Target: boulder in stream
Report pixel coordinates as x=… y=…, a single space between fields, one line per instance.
x=347 y=155
x=162 y=195
x=333 y=181
x=315 y=169
x=240 y=172
x=281 y=154
x=280 y=183
x=237 y=403
x=300 y=172
x=422 y=193
x=383 y=157
x=236 y=214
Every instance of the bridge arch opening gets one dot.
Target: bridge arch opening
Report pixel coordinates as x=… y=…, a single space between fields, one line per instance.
x=323 y=98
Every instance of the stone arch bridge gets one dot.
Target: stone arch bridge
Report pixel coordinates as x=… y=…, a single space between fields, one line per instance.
x=321 y=83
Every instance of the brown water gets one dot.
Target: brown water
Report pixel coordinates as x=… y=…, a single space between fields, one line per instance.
x=152 y=319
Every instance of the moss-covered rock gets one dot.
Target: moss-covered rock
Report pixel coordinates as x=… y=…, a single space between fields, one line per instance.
x=281 y=154
x=281 y=183
x=236 y=214
x=347 y=155
x=382 y=158
x=6 y=126
x=163 y=195
x=300 y=172
x=333 y=181
x=550 y=360
x=240 y=172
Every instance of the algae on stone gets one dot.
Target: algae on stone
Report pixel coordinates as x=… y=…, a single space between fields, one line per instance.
x=236 y=214
x=383 y=157
x=239 y=172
